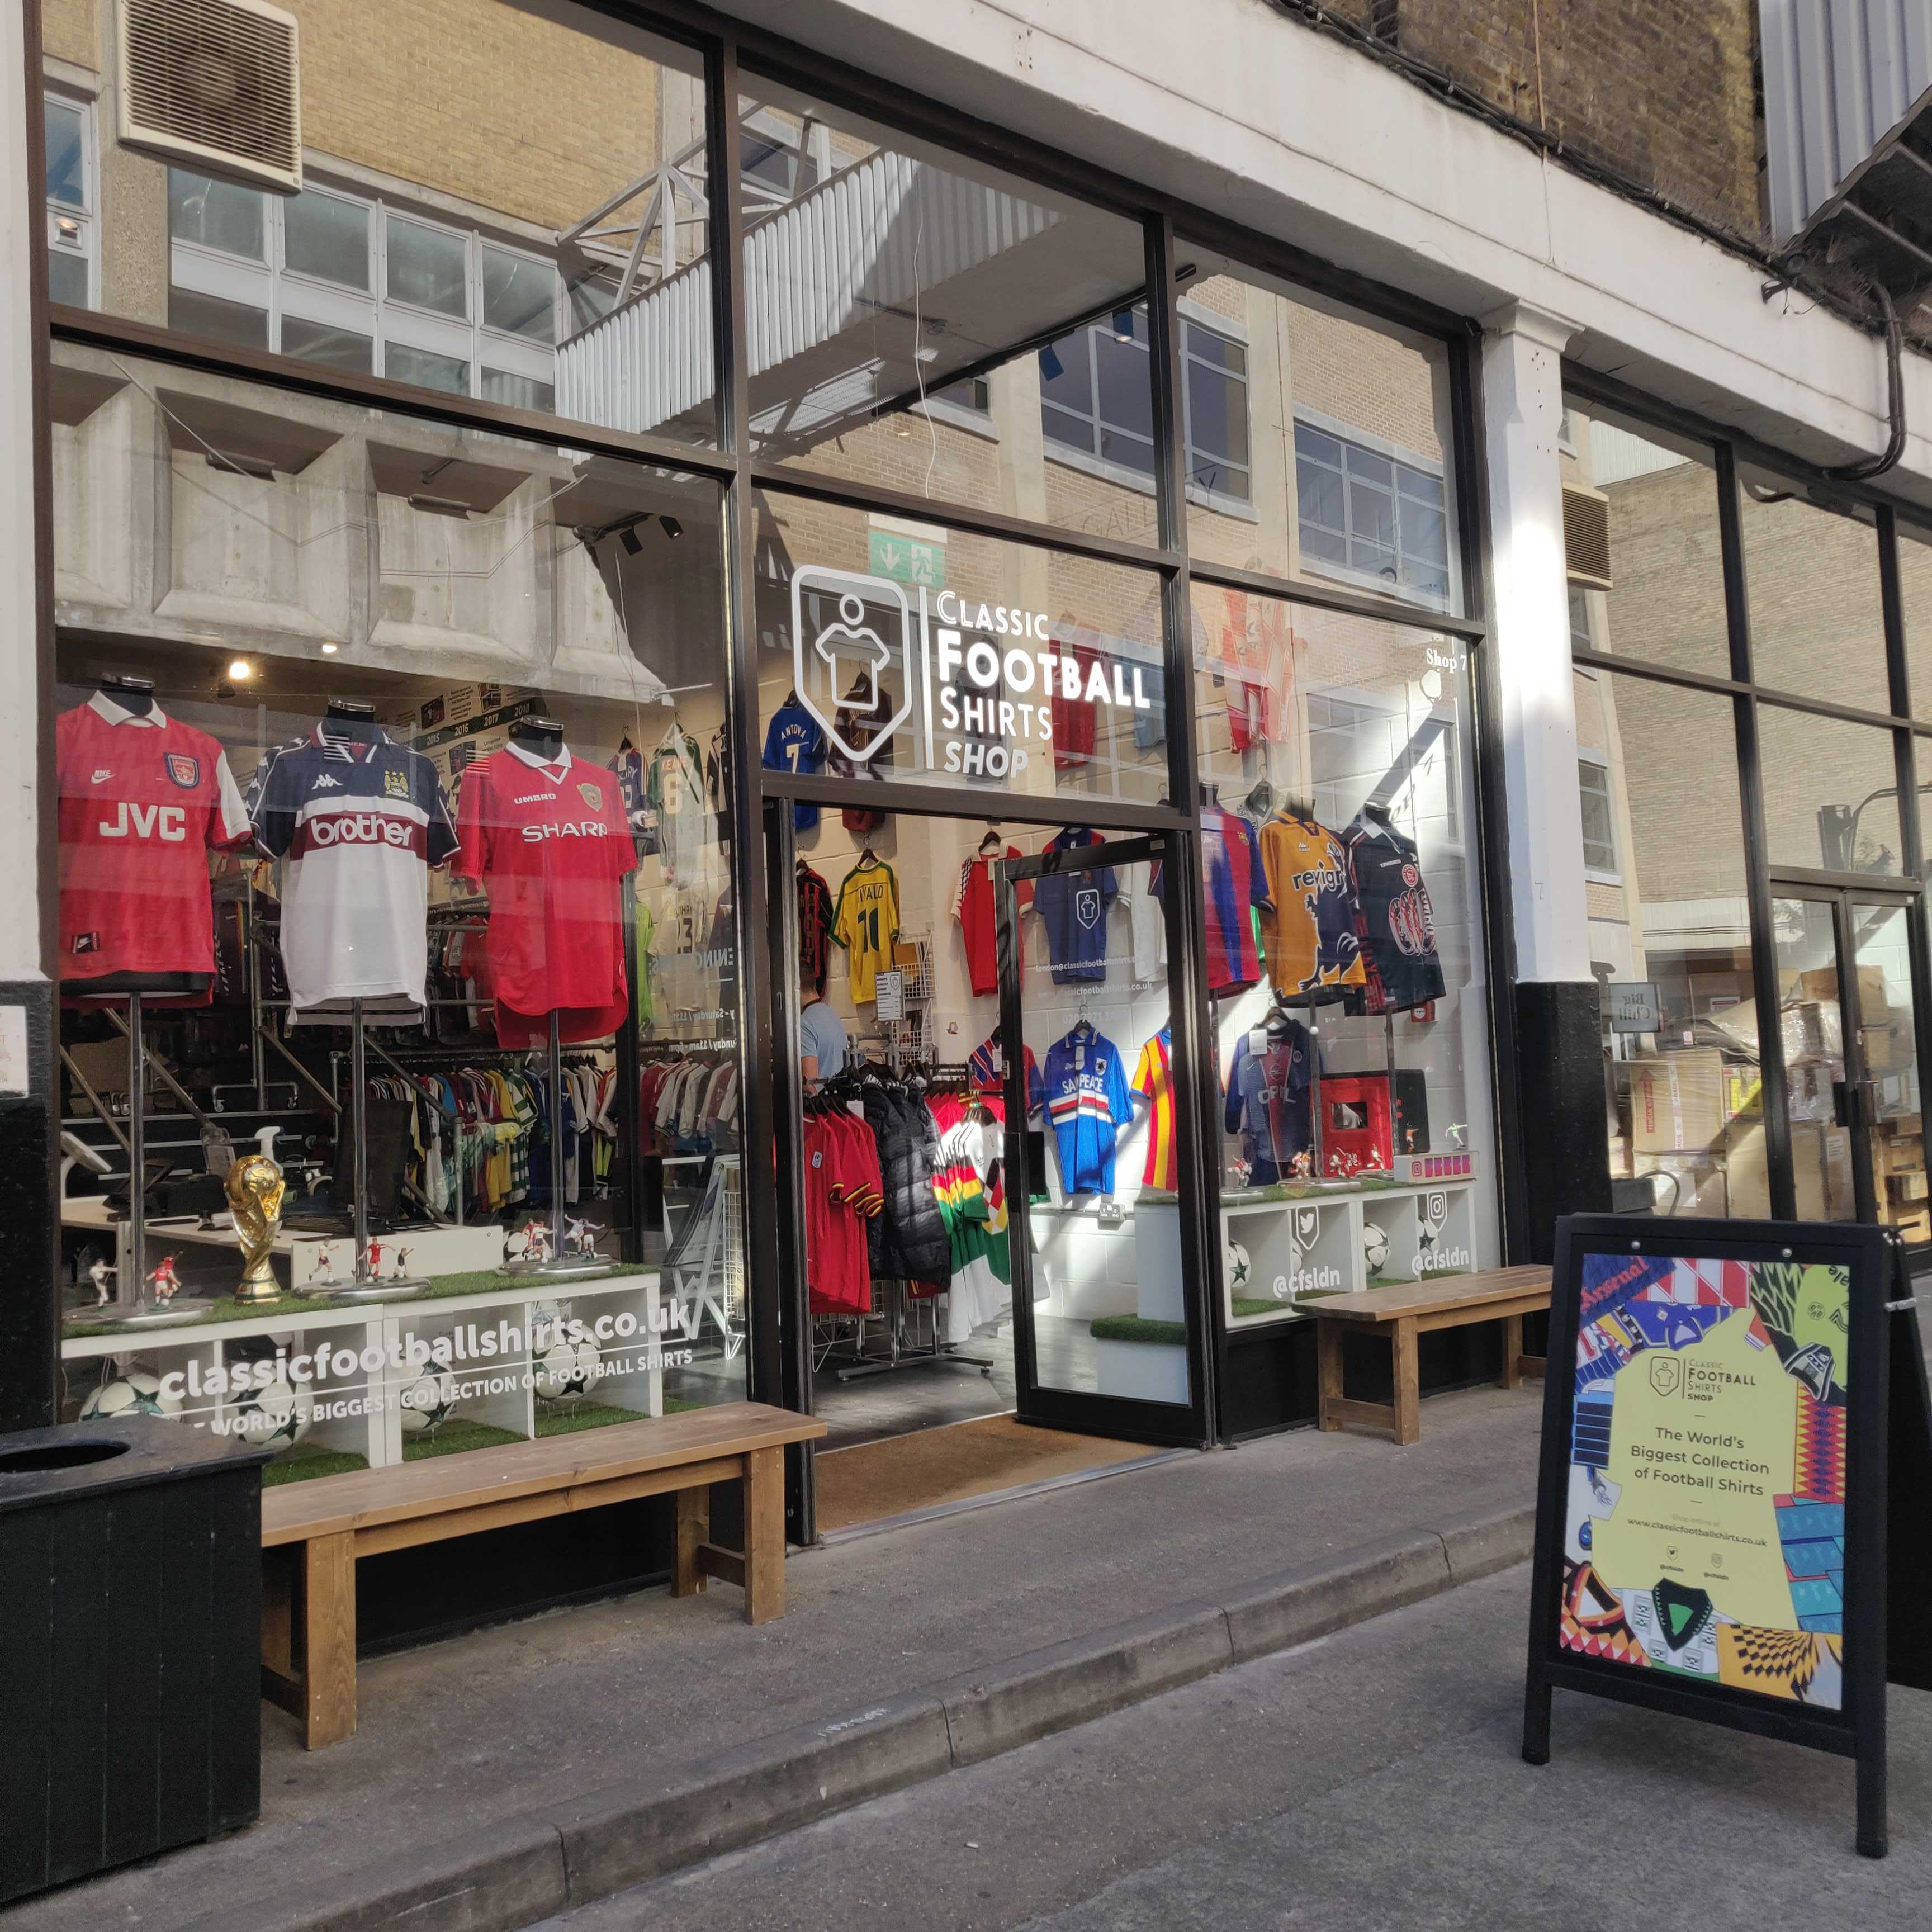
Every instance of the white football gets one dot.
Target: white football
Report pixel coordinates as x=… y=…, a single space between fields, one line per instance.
x=564 y=1371
x=1236 y=1266
x=137 y=1392
x=423 y=1403
x=1375 y=1247
x=278 y=1417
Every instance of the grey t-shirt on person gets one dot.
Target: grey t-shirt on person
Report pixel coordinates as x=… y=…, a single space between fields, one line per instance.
x=821 y=1034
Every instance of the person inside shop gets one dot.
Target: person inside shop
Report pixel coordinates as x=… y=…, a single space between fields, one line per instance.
x=821 y=1032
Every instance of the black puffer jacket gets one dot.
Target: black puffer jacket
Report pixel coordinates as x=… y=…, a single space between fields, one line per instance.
x=907 y=1236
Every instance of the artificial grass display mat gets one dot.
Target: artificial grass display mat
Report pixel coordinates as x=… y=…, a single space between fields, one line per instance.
x=591 y=1415
x=455 y=1435
x=1138 y=1328
x=1246 y=1305
x=476 y=1281
x=304 y=1463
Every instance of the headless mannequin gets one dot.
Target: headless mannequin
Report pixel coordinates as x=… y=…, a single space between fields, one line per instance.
x=345 y=718
x=541 y=737
x=135 y=696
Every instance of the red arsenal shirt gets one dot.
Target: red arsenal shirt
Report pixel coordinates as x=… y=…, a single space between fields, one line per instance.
x=551 y=843
x=972 y=908
x=141 y=800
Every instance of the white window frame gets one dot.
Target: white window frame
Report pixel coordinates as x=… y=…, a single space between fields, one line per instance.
x=84 y=245
x=1600 y=761
x=1393 y=452
x=279 y=292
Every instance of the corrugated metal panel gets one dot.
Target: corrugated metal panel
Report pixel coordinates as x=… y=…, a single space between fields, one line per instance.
x=883 y=232
x=1838 y=76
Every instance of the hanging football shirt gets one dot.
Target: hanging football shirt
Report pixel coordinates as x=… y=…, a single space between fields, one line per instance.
x=674 y=792
x=1268 y=1101
x=793 y=742
x=1309 y=929
x=1072 y=908
x=1086 y=1104
x=814 y=925
x=143 y=799
x=1144 y=893
x=986 y=1071
x=1393 y=916
x=1073 y=716
x=973 y=907
x=1150 y=725
x=1234 y=886
x=866 y=923
x=358 y=821
x=551 y=845
x=1154 y=1082
x=854 y=727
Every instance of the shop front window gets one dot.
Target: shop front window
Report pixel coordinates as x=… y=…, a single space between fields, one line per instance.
x=430 y=242
x=883 y=273
x=1343 y=948
x=378 y=734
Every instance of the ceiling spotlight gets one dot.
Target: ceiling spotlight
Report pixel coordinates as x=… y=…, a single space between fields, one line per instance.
x=329 y=647
x=1050 y=366
x=903 y=427
x=240 y=670
x=627 y=537
x=673 y=528
x=1124 y=324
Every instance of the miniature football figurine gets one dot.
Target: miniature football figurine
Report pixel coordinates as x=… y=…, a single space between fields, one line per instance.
x=100 y=1274
x=164 y=1282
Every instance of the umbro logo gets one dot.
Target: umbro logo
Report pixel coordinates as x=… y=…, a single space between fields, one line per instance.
x=100 y=777
x=324 y=783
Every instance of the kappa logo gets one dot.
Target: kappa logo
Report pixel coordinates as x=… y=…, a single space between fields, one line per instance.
x=325 y=783
x=1667 y=1374
x=872 y=634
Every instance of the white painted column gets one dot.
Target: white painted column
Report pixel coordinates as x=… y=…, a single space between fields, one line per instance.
x=1522 y=406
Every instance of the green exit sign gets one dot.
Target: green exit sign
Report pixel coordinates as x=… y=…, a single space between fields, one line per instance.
x=907 y=560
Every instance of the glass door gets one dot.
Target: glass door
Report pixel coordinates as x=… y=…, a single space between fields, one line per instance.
x=1847 y=1037
x=1106 y=1328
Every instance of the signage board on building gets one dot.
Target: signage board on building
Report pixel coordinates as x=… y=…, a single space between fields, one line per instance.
x=1727 y=1403
x=1633 y=1006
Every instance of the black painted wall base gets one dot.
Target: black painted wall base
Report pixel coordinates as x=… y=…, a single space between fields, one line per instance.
x=1560 y=1096
x=29 y=1223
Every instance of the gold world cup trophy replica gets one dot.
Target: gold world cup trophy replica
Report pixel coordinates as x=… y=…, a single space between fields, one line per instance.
x=254 y=1189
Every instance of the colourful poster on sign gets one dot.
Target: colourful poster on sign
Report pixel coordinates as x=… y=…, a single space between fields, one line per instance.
x=1704 y=1533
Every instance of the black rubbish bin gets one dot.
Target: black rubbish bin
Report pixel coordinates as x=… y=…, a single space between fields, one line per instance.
x=130 y=1635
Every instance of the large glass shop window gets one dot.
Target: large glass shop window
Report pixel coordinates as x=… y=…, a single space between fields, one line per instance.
x=1002 y=667
x=1344 y=951
x=513 y=211
x=388 y=749
x=1317 y=441
x=939 y=328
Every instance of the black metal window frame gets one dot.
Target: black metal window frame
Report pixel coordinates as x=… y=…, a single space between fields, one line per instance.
x=729 y=51
x=1764 y=876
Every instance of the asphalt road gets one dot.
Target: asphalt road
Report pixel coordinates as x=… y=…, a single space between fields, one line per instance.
x=1371 y=1780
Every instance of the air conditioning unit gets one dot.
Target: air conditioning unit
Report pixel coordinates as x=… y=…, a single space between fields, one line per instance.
x=215 y=84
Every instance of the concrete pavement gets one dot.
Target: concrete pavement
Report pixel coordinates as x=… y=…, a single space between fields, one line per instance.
x=1369 y=1782
x=477 y=1756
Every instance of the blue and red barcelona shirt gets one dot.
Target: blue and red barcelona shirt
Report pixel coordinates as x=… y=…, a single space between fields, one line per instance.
x=1233 y=886
x=1086 y=1103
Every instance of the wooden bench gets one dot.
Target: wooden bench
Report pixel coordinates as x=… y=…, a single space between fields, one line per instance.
x=308 y=1618
x=1406 y=1310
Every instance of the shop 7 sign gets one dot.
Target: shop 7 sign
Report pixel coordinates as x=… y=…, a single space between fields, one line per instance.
x=1721 y=1421
x=867 y=653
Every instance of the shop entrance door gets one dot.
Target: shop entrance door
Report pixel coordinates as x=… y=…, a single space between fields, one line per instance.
x=1101 y=1216
x=1853 y=1129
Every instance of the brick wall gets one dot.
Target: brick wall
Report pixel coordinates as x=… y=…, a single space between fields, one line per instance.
x=1661 y=90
